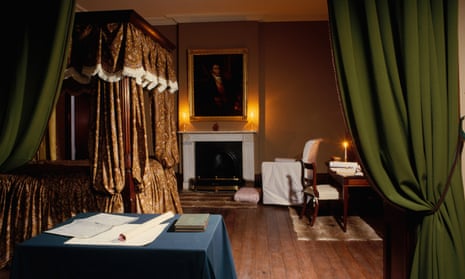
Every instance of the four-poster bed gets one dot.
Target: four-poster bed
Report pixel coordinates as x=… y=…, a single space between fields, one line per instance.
x=127 y=69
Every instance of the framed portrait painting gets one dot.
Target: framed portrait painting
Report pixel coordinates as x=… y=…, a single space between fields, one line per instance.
x=217 y=84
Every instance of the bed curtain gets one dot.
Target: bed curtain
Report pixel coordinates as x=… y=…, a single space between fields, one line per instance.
x=124 y=67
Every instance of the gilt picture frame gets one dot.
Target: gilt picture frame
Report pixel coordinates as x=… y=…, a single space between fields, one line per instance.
x=217 y=81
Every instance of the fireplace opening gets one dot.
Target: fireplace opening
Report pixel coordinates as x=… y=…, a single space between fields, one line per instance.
x=218 y=164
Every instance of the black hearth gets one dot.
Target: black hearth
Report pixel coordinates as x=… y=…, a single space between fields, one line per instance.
x=218 y=165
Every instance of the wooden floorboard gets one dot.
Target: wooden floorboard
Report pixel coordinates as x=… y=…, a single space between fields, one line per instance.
x=262 y=266
x=265 y=245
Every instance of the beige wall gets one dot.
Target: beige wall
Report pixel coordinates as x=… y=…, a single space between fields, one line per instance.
x=291 y=82
x=299 y=98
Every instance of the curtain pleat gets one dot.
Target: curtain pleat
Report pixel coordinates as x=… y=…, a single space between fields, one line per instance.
x=396 y=65
x=36 y=61
x=110 y=53
x=166 y=147
x=106 y=146
x=38 y=197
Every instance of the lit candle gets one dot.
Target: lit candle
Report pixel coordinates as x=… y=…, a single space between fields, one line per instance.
x=345 y=144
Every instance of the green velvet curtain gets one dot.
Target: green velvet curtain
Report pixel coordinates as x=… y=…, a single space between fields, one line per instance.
x=35 y=45
x=397 y=71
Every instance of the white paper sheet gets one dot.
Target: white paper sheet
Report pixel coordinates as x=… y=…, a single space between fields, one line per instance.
x=91 y=226
x=111 y=219
x=110 y=237
x=141 y=228
x=128 y=234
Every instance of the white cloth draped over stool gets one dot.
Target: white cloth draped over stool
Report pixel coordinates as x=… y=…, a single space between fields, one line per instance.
x=281 y=183
x=282 y=178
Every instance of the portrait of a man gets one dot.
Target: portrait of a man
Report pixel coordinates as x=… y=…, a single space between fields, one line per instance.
x=218 y=88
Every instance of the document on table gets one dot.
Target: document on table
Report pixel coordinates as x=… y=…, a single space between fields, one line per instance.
x=112 y=236
x=128 y=234
x=339 y=164
x=91 y=226
x=346 y=168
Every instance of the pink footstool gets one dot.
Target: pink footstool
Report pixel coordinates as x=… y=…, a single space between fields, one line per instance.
x=247 y=194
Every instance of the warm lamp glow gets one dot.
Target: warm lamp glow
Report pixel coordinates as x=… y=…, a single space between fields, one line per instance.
x=252 y=119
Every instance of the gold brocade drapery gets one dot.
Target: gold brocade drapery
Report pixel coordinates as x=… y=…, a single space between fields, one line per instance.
x=122 y=57
x=165 y=131
x=106 y=148
x=41 y=195
x=114 y=50
x=166 y=147
x=130 y=78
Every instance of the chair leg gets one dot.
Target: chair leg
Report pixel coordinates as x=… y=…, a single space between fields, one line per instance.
x=316 y=206
x=304 y=207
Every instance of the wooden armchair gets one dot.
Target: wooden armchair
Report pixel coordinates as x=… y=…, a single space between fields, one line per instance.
x=314 y=192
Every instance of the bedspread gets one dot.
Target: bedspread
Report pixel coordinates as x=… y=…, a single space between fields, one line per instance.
x=41 y=195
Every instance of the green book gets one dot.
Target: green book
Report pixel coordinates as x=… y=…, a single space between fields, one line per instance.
x=192 y=222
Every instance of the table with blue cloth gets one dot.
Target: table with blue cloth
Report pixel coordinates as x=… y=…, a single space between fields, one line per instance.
x=172 y=254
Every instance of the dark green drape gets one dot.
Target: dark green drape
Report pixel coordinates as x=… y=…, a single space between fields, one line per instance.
x=397 y=70
x=35 y=45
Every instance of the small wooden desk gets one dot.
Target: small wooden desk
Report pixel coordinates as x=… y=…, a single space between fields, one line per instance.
x=345 y=182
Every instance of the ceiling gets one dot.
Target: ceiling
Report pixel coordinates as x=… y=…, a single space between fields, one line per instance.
x=171 y=12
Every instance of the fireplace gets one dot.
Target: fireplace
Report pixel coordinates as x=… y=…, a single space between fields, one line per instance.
x=218 y=165
x=217 y=160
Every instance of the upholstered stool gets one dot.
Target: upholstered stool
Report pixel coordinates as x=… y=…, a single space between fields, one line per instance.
x=247 y=194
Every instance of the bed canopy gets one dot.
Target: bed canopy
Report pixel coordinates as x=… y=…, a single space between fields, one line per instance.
x=124 y=69
x=127 y=67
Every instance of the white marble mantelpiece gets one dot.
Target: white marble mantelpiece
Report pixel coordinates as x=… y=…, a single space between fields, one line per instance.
x=189 y=138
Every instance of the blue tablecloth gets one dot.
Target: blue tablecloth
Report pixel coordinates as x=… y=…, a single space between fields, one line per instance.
x=172 y=255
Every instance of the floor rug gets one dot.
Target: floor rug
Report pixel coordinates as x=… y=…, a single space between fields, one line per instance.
x=326 y=228
x=221 y=199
